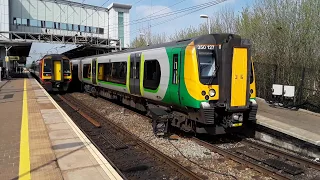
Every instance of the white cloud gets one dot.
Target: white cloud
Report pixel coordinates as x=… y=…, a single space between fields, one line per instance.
x=144 y=10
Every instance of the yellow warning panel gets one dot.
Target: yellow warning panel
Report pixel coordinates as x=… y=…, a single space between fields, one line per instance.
x=57 y=70
x=239 y=77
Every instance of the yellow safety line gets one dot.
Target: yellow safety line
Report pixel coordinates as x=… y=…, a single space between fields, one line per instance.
x=24 y=164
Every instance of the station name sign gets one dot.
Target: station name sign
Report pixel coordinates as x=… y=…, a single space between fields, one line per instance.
x=12 y=58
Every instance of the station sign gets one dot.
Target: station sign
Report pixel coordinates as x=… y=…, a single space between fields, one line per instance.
x=12 y=58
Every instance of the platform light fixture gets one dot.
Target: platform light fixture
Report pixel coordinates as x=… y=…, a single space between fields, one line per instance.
x=208 y=21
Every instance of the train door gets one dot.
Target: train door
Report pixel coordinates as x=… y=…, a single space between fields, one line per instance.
x=57 y=70
x=134 y=80
x=175 y=80
x=94 y=71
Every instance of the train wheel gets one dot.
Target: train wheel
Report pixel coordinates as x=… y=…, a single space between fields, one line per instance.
x=94 y=92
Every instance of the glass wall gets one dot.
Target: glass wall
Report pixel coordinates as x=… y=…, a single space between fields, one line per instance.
x=58 y=25
x=121 y=28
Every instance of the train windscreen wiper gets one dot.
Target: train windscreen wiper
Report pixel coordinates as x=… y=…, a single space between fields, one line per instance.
x=214 y=74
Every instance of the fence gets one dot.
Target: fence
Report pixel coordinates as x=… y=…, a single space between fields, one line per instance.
x=305 y=80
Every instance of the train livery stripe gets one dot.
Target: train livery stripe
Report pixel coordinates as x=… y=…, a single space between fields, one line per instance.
x=239 y=77
x=24 y=163
x=141 y=74
x=128 y=74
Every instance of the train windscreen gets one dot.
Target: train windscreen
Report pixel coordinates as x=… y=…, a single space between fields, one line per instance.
x=207 y=65
x=47 y=66
x=66 y=67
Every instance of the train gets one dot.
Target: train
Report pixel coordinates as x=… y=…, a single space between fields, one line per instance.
x=53 y=71
x=203 y=85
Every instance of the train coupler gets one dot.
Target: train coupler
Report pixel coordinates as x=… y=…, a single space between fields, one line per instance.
x=234 y=120
x=160 y=121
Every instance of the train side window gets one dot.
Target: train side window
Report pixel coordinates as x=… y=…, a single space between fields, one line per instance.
x=152 y=74
x=86 y=70
x=115 y=72
x=119 y=71
x=107 y=71
x=89 y=71
x=175 y=69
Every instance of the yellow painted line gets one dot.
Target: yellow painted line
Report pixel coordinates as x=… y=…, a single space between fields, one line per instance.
x=24 y=163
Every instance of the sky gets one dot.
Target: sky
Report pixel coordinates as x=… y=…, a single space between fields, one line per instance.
x=145 y=9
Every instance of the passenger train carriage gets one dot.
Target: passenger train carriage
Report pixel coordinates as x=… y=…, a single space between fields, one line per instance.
x=53 y=72
x=203 y=85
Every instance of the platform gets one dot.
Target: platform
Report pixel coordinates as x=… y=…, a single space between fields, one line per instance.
x=300 y=124
x=39 y=141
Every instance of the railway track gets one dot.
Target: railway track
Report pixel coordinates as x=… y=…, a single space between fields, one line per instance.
x=269 y=161
x=131 y=156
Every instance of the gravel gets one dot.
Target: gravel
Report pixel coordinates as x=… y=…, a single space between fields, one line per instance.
x=200 y=159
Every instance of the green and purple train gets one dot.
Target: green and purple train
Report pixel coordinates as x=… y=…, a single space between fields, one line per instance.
x=205 y=84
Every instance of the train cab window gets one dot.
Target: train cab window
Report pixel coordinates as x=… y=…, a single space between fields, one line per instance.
x=207 y=65
x=152 y=74
x=66 y=66
x=47 y=66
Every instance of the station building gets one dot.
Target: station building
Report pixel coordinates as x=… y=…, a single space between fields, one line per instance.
x=25 y=21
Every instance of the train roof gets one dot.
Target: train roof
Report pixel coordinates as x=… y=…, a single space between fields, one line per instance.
x=55 y=56
x=183 y=42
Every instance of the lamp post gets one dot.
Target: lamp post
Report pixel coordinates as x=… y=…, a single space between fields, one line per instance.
x=208 y=21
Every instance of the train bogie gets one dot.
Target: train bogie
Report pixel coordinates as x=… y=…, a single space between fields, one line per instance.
x=204 y=85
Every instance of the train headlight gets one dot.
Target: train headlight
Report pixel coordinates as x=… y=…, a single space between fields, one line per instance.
x=212 y=92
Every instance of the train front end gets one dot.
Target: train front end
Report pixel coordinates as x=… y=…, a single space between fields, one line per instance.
x=56 y=74
x=222 y=82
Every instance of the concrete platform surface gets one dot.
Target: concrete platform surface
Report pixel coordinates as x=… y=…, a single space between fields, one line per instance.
x=299 y=124
x=38 y=140
x=10 y=122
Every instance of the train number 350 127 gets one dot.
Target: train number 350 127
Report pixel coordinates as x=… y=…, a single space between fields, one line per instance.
x=205 y=47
